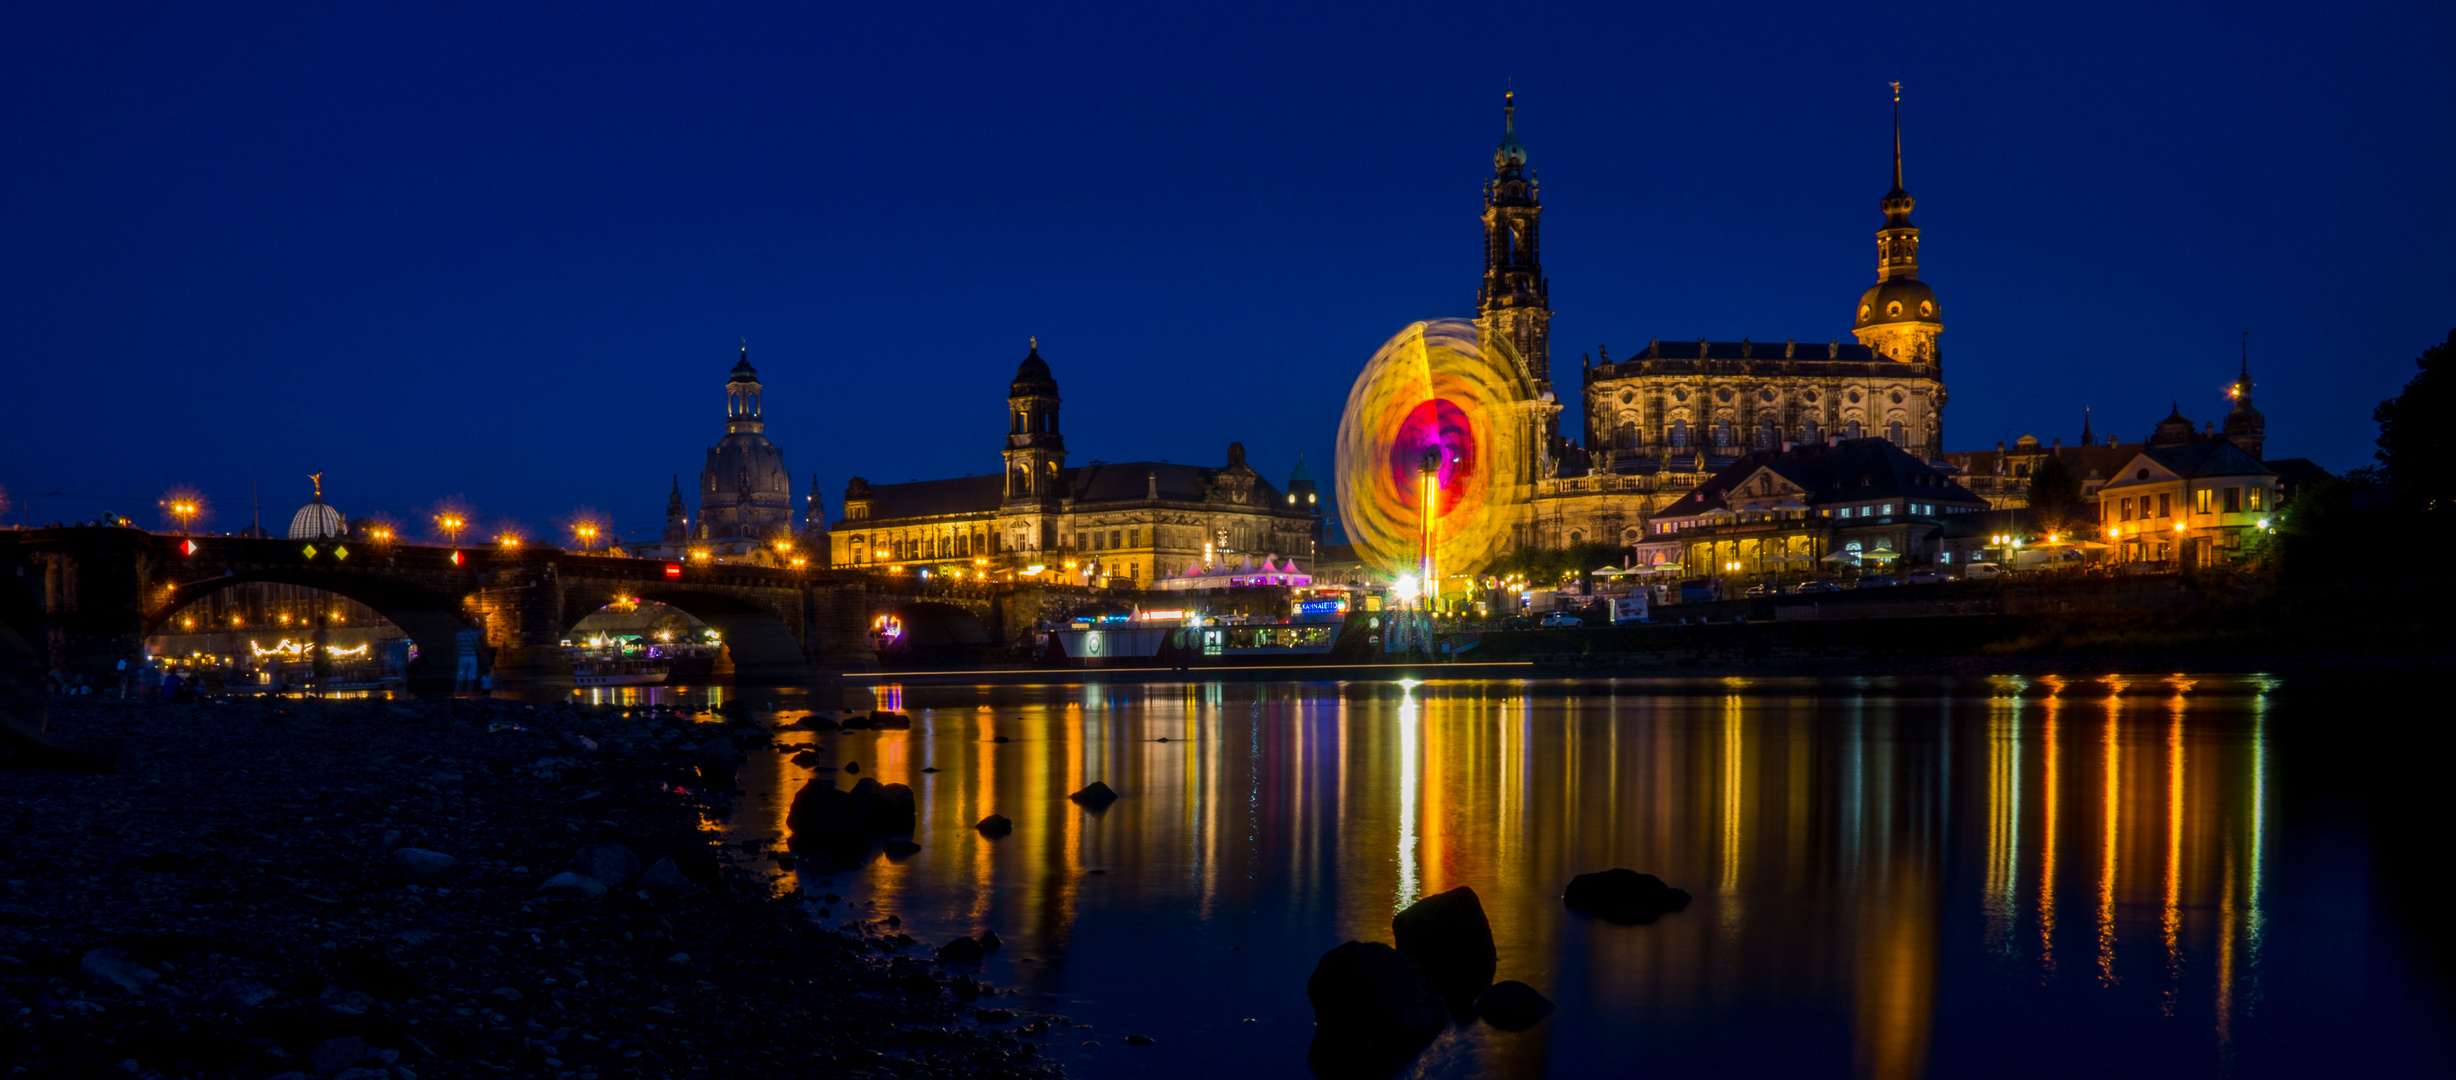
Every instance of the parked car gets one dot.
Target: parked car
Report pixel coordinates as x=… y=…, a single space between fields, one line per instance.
x=1766 y=589
x=1981 y=571
x=1877 y=582
x=1806 y=587
x=1563 y=618
x=1518 y=622
x=1926 y=577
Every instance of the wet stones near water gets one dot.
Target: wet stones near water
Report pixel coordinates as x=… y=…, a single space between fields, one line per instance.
x=806 y=758
x=1138 y=1040
x=890 y=721
x=1450 y=939
x=611 y=864
x=852 y=766
x=1623 y=896
x=1000 y=738
x=571 y=886
x=423 y=867
x=995 y=825
x=1373 y=1008
x=899 y=848
x=1094 y=796
x=962 y=950
x=990 y=941
x=1512 y=1005
x=333 y=1055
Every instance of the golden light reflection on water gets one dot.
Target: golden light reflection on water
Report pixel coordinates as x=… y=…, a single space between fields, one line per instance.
x=1815 y=825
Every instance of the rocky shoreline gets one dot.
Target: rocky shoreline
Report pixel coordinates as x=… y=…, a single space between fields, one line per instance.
x=413 y=890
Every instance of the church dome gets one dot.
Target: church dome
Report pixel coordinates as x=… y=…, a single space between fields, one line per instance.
x=1889 y=303
x=1032 y=376
x=316 y=521
x=742 y=371
x=1510 y=155
x=2245 y=420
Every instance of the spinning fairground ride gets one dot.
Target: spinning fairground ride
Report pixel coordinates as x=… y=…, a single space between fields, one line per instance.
x=1437 y=456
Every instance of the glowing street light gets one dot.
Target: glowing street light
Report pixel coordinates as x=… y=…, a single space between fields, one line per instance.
x=586 y=531
x=451 y=522
x=183 y=507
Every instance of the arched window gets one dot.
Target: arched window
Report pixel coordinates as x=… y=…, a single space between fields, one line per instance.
x=1679 y=432
x=1807 y=431
x=1722 y=432
x=1854 y=430
x=1625 y=436
x=1765 y=433
x=1895 y=433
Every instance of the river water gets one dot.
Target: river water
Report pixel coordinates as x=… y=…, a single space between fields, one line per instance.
x=2009 y=876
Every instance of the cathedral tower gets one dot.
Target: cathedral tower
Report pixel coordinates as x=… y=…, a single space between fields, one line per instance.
x=1899 y=316
x=1513 y=304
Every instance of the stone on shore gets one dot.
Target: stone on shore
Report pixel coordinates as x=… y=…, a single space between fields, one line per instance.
x=1448 y=936
x=1511 y=1005
x=571 y=886
x=1094 y=795
x=111 y=966
x=665 y=877
x=610 y=863
x=1372 y=1007
x=990 y=941
x=995 y=825
x=423 y=867
x=333 y=1055
x=1623 y=896
x=962 y=950
x=239 y=997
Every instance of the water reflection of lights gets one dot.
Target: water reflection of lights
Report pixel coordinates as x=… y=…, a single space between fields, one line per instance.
x=1409 y=720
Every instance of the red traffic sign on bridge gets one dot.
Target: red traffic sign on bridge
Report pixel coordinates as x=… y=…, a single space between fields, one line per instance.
x=673 y=570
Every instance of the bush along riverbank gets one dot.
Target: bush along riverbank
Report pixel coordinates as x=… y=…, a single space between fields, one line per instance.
x=421 y=890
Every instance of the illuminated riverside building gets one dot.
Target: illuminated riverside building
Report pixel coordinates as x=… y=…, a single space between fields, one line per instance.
x=1673 y=413
x=1799 y=511
x=1120 y=524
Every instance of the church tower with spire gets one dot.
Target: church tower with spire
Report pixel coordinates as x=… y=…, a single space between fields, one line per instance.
x=1035 y=451
x=2245 y=427
x=1899 y=316
x=677 y=516
x=1514 y=302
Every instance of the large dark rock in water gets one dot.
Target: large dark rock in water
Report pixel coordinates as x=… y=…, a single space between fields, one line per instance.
x=1623 y=896
x=1512 y=1005
x=827 y=820
x=1094 y=795
x=1448 y=936
x=995 y=825
x=1373 y=1008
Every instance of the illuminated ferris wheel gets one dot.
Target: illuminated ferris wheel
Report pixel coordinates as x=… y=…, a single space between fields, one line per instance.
x=1437 y=451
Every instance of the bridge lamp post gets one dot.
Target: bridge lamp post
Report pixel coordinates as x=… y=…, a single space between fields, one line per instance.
x=587 y=532
x=183 y=511
x=451 y=524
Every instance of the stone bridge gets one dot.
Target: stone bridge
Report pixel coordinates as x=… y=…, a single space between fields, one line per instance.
x=84 y=598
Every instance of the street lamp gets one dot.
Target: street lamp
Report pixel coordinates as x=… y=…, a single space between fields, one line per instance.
x=451 y=523
x=587 y=532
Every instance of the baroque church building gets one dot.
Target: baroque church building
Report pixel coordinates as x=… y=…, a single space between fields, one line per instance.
x=746 y=511
x=1668 y=417
x=1124 y=524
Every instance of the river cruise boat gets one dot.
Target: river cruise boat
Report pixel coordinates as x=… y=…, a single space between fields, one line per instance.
x=593 y=673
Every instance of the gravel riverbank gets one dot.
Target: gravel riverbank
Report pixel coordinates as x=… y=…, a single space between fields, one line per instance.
x=361 y=890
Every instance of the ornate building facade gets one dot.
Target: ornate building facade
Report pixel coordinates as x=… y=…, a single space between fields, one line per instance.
x=1119 y=524
x=1663 y=421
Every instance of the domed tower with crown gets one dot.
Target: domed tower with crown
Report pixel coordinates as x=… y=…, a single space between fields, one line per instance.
x=1035 y=451
x=744 y=490
x=1899 y=316
x=2245 y=427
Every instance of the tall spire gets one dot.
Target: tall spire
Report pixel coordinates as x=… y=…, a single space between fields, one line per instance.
x=2246 y=376
x=2085 y=435
x=1897 y=136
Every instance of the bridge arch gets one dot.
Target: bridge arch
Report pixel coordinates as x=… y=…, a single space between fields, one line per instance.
x=431 y=619
x=759 y=641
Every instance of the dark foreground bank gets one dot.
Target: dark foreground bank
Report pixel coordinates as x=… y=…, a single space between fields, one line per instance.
x=361 y=890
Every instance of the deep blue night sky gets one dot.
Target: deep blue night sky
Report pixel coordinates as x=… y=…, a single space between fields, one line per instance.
x=432 y=251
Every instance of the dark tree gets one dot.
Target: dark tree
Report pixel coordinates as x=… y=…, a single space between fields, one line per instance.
x=2053 y=488
x=2417 y=441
